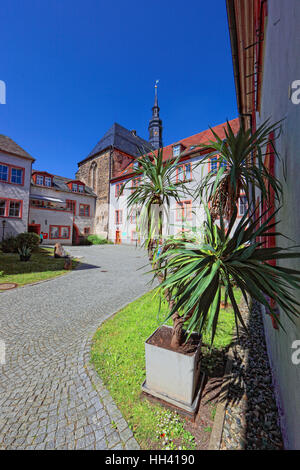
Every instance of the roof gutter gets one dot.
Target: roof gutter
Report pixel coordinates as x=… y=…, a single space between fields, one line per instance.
x=234 y=51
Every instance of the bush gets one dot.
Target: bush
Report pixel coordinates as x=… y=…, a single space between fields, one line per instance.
x=97 y=240
x=9 y=245
x=30 y=240
x=84 y=241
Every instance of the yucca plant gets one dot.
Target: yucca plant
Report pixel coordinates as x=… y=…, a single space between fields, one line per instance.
x=153 y=195
x=199 y=272
x=241 y=169
x=25 y=252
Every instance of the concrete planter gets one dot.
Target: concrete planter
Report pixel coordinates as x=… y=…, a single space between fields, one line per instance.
x=172 y=376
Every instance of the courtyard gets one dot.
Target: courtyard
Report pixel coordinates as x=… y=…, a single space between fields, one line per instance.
x=47 y=391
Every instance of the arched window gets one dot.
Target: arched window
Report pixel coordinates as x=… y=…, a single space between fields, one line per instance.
x=93 y=176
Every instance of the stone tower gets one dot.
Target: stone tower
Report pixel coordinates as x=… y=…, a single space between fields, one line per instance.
x=155 y=124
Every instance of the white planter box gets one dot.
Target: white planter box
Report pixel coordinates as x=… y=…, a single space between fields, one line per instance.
x=172 y=376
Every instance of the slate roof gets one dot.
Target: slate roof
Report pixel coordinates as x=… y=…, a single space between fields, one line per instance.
x=60 y=184
x=122 y=139
x=10 y=146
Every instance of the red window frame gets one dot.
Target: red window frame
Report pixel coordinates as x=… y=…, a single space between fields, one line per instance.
x=7 y=206
x=183 y=166
x=43 y=175
x=239 y=214
x=59 y=232
x=135 y=182
x=71 y=204
x=118 y=216
x=186 y=208
x=118 y=189
x=218 y=163
x=84 y=207
x=10 y=167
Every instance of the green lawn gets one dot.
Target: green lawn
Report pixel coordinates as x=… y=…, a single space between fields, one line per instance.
x=118 y=355
x=42 y=265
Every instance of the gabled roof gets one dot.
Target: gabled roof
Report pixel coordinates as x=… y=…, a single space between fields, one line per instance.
x=8 y=145
x=190 y=145
x=122 y=139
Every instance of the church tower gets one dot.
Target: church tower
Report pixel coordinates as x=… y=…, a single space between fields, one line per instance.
x=155 y=124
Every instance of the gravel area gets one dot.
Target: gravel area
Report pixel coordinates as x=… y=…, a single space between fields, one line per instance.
x=50 y=396
x=251 y=417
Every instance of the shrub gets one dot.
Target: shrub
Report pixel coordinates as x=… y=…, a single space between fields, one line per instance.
x=9 y=245
x=85 y=241
x=30 y=240
x=97 y=240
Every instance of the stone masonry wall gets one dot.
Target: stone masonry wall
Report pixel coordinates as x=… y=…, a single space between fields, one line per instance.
x=95 y=173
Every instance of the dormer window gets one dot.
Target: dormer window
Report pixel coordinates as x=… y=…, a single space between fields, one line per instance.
x=76 y=186
x=176 y=150
x=40 y=180
x=48 y=181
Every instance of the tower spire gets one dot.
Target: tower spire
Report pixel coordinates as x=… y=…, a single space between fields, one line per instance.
x=155 y=123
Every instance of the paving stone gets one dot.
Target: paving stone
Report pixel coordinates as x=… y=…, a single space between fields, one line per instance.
x=48 y=389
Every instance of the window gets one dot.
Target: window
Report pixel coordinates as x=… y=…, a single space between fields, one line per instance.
x=3 y=173
x=16 y=175
x=84 y=210
x=184 y=172
x=71 y=206
x=135 y=183
x=135 y=213
x=118 y=189
x=176 y=150
x=87 y=230
x=10 y=208
x=11 y=174
x=118 y=217
x=75 y=187
x=80 y=188
x=216 y=163
x=48 y=181
x=40 y=180
x=243 y=205
x=2 y=207
x=184 y=210
x=14 y=208
x=59 y=231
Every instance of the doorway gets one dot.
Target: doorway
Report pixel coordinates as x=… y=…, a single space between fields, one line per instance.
x=118 y=237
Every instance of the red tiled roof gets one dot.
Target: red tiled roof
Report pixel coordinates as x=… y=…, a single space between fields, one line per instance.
x=202 y=138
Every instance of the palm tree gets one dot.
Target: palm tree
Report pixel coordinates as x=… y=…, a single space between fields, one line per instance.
x=238 y=171
x=156 y=190
x=199 y=272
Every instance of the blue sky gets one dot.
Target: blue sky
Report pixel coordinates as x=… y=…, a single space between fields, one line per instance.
x=72 y=68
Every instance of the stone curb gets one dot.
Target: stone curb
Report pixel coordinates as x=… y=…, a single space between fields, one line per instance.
x=126 y=439
x=217 y=431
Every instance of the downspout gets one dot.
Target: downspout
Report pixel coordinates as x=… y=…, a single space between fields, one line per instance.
x=109 y=179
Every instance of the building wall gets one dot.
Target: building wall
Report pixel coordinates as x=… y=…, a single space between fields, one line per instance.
x=47 y=217
x=13 y=226
x=281 y=68
x=172 y=225
x=100 y=185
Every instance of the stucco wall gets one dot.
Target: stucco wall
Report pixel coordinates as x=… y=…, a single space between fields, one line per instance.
x=281 y=68
x=14 y=226
x=47 y=217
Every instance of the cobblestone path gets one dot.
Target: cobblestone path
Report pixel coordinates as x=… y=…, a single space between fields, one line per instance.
x=50 y=397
